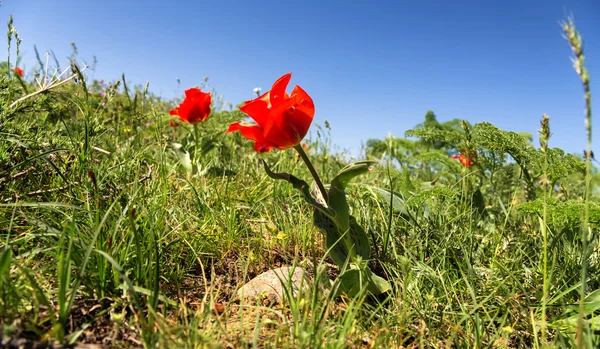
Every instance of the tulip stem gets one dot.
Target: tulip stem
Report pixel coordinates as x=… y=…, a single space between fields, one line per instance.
x=312 y=170
x=197 y=145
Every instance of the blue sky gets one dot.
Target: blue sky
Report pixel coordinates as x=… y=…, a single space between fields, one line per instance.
x=372 y=68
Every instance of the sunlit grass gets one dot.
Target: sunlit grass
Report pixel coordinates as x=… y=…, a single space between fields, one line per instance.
x=107 y=235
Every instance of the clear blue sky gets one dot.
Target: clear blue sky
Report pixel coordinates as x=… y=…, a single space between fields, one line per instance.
x=372 y=67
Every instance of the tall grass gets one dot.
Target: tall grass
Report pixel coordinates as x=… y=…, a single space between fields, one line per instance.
x=576 y=44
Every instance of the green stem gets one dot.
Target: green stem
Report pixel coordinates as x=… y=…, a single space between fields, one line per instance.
x=312 y=170
x=545 y=254
x=196 y=145
x=574 y=39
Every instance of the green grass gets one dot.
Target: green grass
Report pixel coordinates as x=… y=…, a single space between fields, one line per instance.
x=107 y=238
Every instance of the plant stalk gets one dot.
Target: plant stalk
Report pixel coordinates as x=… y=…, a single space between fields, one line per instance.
x=312 y=170
x=196 y=146
x=576 y=43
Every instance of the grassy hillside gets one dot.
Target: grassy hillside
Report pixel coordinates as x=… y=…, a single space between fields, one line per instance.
x=123 y=226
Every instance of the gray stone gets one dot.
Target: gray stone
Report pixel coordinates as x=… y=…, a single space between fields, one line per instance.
x=269 y=287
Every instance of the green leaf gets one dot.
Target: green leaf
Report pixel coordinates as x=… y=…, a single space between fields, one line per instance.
x=337 y=190
x=148 y=293
x=491 y=137
x=378 y=285
x=5 y=259
x=343 y=248
x=207 y=145
x=183 y=156
x=355 y=279
x=359 y=237
x=478 y=202
x=352 y=170
x=352 y=282
x=336 y=247
x=398 y=202
x=591 y=306
x=299 y=184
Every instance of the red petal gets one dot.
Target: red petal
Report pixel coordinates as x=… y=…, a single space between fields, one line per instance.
x=253 y=132
x=195 y=107
x=305 y=110
x=257 y=109
x=262 y=147
x=304 y=101
x=283 y=119
x=279 y=130
x=289 y=122
x=195 y=92
x=277 y=93
x=250 y=131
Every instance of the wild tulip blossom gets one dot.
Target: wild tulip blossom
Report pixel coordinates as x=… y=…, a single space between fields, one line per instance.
x=19 y=71
x=194 y=108
x=466 y=161
x=282 y=120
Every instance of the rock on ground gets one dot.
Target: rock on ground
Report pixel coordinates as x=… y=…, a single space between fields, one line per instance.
x=270 y=285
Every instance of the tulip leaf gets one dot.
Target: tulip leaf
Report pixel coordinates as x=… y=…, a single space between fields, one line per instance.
x=207 y=145
x=397 y=201
x=336 y=246
x=360 y=239
x=299 y=184
x=343 y=247
x=183 y=156
x=377 y=284
x=352 y=170
x=356 y=278
x=337 y=190
x=351 y=282
x=5 y=259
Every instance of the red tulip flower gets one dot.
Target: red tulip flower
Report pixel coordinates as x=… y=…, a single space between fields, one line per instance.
x=282 y=120
x=466 y=161
x=194 y=108
x=19 y=71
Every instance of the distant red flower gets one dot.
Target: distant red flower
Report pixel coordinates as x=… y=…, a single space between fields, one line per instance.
x=466 y=161
x=194 y=108
x=19 y=71
x=173 y=124
x=306 y=147
x=282 y=120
